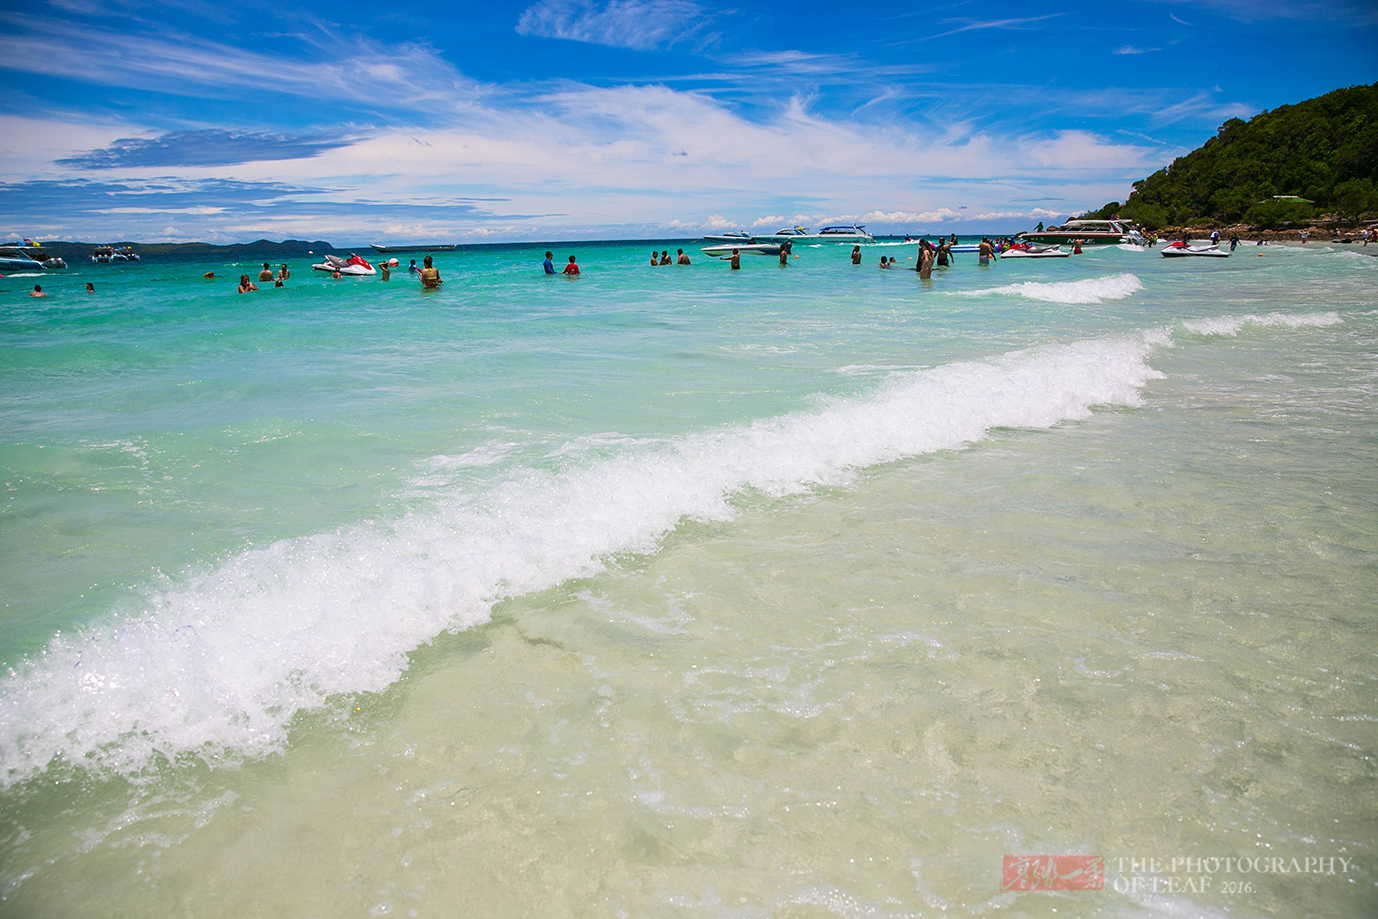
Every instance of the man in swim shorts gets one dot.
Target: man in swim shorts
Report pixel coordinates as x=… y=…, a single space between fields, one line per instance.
x=987 y=251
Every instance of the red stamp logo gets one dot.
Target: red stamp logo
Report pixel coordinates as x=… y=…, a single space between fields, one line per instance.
x=1053 y=872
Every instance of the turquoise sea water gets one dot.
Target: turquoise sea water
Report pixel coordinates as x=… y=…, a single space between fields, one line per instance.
x=689 y=592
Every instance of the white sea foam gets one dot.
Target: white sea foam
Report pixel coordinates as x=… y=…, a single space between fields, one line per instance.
x=1090 y=290
x=1231 y=325
x=218 y=666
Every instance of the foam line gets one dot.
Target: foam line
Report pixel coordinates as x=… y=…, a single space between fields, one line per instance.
x=1090 y=290
x=1231 y=325
x=218 y=667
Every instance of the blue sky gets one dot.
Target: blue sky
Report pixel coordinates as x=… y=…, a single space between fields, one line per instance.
x=556 y=119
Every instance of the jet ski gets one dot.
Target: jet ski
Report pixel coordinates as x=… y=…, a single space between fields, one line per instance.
x=354 y=266
x=1025 y=250
x=1182 y=250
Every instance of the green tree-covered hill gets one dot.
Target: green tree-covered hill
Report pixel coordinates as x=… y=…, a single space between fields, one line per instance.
x=1323 y=150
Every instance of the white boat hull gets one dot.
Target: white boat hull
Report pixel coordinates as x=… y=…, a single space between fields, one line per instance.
x=352 y=271
x=753 y=249
x=1179 y=251
x=1047 y=252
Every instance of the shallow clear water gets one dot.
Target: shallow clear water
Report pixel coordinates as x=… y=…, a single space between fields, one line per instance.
x=682 y=591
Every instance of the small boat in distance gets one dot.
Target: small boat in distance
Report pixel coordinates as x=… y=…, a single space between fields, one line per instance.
x=435 y=248
x=106 y=255
x=839 y=234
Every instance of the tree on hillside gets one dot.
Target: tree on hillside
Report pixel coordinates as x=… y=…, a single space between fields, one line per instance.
x=1324 y=150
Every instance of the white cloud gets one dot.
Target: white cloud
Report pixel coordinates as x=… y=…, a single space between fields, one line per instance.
x=640 y=25
x=770 y=221
x=895 y=217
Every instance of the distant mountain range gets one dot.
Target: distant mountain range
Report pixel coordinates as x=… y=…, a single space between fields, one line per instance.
x=1277 y=168
x=261 y=249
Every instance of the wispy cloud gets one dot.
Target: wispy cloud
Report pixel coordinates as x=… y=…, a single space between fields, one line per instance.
x=971 y=25
x=640 y=25
x=349 y=70
x=212 y=147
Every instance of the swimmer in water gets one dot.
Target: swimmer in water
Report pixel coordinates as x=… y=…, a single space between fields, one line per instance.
x=245 y=285
x=266 y=274
x=90 y=288
x=856 y=255
x=548 y=264
x=37 y=291
x=736 y=260
x=430 y=275
x=683 y=259
x=572 y=269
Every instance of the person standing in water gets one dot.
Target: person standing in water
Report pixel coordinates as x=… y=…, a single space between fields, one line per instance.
x=683 y=259
x=856 y=255
x=943 y=257
x=430 y=275
x=925 y=266
x=266 y=274
x=786 y=248
x=549 y=264
x=283 y=273
x=736 y=260
x=655 y=259
x=572 y=269
x=664 y=256
x=986 y=251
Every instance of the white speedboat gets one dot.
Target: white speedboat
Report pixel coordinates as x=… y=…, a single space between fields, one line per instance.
x=354 y=266
x=1182 y=250
x=1027 y=251
x=739 y=238
x=839 y=234
x=107 y=255
x=750 y=249
x=27 y=258
x=1089 y=232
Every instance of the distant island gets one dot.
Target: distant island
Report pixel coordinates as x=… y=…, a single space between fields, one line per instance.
x=288 y=248
x=1312 y=163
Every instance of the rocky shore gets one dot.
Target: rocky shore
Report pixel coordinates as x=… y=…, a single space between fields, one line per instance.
x=1317 y=232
